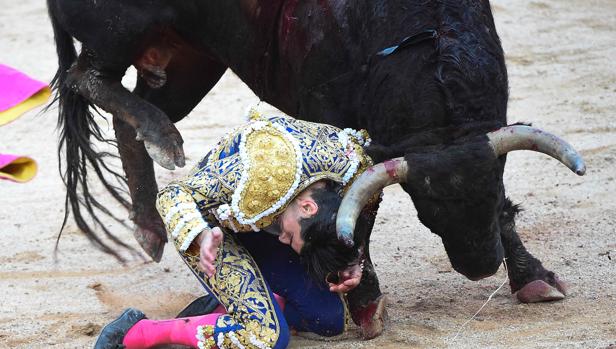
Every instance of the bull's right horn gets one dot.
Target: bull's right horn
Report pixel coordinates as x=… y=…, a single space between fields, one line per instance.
x=520 y=137
x=371 y=181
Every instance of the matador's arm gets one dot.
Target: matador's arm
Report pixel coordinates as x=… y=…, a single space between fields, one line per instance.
x=181 y=205
x=181 y=215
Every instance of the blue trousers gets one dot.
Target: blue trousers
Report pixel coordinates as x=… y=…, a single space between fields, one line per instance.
x=250 y=267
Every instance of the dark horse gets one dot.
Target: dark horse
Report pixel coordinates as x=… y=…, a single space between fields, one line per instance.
x=427 y=79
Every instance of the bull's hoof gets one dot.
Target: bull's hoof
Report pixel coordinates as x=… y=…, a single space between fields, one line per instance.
x=165 y=148
x=167 y=156
x=540 y=291
x=371 y=318
x=151 y=243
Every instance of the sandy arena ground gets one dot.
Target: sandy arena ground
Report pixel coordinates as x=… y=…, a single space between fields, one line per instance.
x=561 y=59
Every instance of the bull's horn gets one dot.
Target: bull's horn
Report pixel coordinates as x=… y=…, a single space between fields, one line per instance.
x=371 y=181
x=393 y=171
x=519 y=137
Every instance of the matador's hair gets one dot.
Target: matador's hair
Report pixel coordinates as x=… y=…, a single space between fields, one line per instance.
x=322 y=252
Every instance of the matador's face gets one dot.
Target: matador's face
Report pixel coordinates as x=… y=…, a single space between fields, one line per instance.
x=290 y=233
x=288 y=223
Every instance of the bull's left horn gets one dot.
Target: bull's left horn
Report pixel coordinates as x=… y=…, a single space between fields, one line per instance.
x=519 y=137
x=371 y=181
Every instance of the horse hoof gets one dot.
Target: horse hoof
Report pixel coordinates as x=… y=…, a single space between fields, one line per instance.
x=540 y=291
x=151 y=243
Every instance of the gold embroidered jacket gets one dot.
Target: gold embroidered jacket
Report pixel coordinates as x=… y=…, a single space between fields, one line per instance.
x=255 y=171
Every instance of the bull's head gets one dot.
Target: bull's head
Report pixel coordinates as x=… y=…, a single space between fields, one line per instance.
x=457 y=191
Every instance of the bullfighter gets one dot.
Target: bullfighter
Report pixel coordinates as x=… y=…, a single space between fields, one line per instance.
x=282 y=180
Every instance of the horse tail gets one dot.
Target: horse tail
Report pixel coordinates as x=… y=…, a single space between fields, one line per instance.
x=77 y=126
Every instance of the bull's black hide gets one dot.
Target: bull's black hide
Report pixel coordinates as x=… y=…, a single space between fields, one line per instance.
x=430 y=100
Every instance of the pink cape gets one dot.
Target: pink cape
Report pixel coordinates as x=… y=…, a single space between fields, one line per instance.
x=17 y=168
x=19 y=93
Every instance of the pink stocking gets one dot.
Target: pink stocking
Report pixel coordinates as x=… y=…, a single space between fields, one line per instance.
x=148 y=333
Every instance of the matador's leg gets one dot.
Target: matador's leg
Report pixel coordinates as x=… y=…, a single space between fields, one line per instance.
x=253 y=316
x=309 y=306
x=132 y=330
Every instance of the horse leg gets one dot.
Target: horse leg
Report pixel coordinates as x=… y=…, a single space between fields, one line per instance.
x=527 y=277
x=101 y=84
x=188 y=77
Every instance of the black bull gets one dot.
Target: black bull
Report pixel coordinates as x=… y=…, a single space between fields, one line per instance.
x=431 y=100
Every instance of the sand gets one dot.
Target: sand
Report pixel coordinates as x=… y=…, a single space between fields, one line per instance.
x=560 y=55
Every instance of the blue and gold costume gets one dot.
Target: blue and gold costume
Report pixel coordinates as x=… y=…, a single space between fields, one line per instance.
x=242 y=185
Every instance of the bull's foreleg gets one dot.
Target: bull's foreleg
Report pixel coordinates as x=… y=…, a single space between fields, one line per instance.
x=527 y=277
x=366 y=302
x=139 y=168
x=188 y=77
x=102 y=86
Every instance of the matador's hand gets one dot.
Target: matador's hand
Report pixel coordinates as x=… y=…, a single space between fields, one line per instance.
x=209 y=241
x=348 y=279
